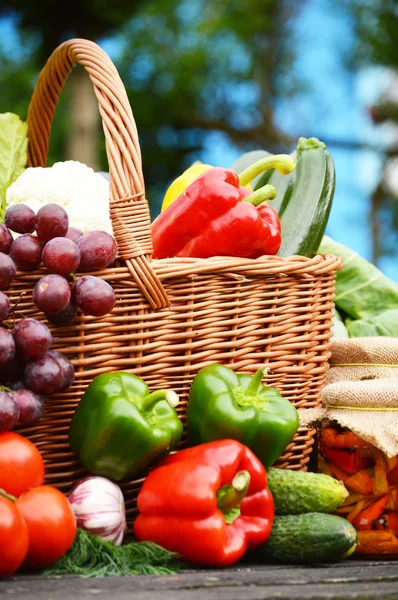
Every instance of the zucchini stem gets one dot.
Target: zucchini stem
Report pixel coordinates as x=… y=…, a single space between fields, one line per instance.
x=284 y=163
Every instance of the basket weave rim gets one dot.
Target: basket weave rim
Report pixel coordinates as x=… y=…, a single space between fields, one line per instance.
x=165 y=268
x=235 y=261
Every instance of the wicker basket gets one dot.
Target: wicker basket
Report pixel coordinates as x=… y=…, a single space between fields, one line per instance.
x=174 y=316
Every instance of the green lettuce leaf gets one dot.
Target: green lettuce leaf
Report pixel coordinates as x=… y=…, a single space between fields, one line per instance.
x=13 y=153
x=362 y=290
x=385 y=324
x=338 y=327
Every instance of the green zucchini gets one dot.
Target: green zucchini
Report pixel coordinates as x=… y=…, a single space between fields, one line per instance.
x=298 y=492
x=306 y=211
x=309 y=538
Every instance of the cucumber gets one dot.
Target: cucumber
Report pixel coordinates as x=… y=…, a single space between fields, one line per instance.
x=297 y=492
x=306 y=210
x=309 y=538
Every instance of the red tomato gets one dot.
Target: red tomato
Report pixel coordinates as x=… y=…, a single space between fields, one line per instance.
x=51 y=525
x=21 y=464
x=14 y=537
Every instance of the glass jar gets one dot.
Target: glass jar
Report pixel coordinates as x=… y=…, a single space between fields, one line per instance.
x=371 y=478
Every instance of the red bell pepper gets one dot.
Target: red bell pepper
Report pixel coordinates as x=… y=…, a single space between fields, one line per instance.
x=392 y=521
x=209 y=503
x=360 y=482
x=331 y=438
x=377 y=542
x=349 y=462
x=393 y=476
x=364 y=520
x=216 y=216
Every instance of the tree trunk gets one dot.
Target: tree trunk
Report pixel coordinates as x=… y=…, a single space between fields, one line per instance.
x=82 y=143
x=375 y=200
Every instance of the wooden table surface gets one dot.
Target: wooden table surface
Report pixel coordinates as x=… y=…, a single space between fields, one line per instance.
x=352 y=579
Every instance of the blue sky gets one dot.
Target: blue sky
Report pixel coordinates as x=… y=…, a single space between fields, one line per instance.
x=333 y=108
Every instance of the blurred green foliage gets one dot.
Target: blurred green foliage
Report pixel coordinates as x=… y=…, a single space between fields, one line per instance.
x=190 y=67
x=376 y=29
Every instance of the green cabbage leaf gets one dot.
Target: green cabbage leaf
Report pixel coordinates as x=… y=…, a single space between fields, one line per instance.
x=13 y=153
x=362 y=290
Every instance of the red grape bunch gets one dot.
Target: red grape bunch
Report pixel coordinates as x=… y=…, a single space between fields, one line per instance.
x=63 y=251
x=29 y=370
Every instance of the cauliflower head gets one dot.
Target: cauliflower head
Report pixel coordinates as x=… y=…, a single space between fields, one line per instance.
x=83 y=193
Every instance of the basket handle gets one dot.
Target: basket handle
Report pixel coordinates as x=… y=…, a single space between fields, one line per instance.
x=129 y=209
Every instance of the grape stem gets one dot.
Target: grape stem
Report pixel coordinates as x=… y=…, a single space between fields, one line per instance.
x=15 y=307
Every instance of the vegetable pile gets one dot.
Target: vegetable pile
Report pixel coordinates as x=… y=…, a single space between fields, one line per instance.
x=219 y=499
x=217 y=216
x=211 y=211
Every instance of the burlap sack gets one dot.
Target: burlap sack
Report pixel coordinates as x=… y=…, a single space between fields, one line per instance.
x=360 y=359
x=363 y=394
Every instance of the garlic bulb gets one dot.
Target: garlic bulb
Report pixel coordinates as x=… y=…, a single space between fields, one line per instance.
x=98 y=505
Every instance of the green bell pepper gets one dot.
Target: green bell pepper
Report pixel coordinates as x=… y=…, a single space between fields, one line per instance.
x=119 y=428
x=223 y=404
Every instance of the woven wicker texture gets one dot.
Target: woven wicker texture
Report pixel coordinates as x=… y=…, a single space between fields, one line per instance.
x=273 y=312
x=129 y=208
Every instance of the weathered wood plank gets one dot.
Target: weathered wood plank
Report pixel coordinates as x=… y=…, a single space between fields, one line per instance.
x=351 y=580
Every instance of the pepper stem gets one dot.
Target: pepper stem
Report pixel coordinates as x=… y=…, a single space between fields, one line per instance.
x=267 y=192
x=283 y=163
x=152 y=399
x=252 y=388
x=5 y=495
x=232 y=494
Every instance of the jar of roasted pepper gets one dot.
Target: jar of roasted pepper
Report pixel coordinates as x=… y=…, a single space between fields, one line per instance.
x=358 y=439
x=371 y=478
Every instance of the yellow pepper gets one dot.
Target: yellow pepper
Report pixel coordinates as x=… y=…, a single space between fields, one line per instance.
x=180 y=184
